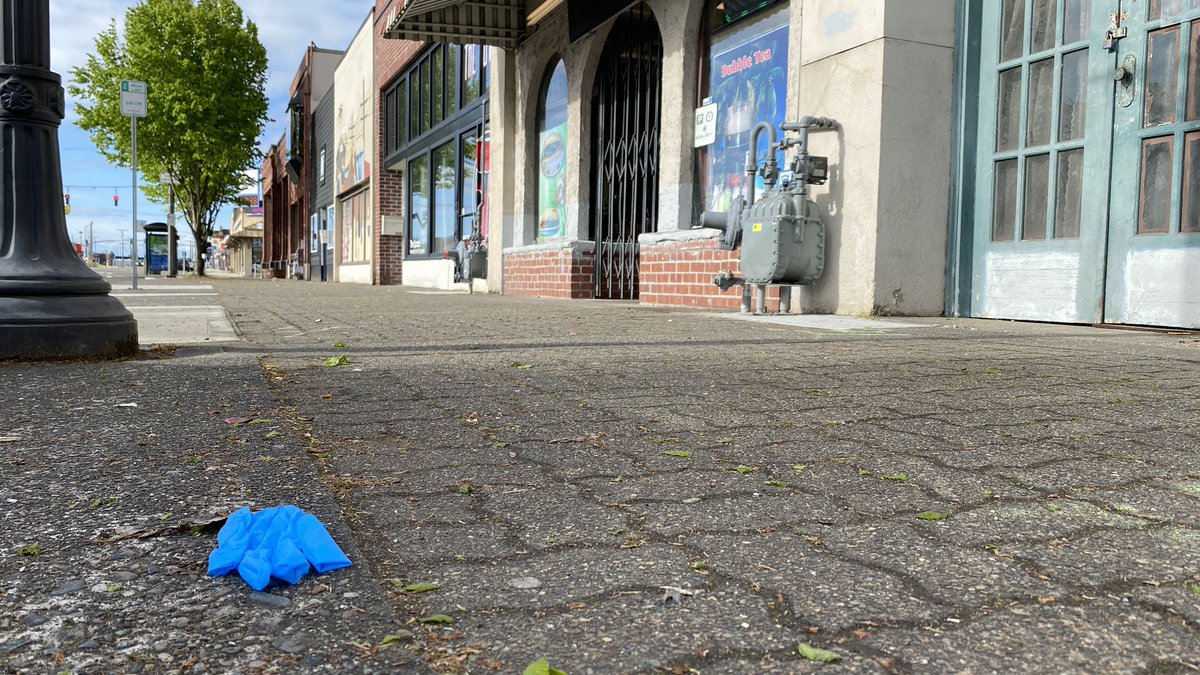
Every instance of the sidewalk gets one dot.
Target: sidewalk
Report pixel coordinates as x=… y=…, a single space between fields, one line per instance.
x=618 y=489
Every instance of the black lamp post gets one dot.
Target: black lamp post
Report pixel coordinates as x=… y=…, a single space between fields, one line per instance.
x=51 y=304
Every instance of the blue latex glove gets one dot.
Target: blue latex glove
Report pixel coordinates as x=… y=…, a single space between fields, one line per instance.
x=231 y=543
x=320 y=548
x=278 y=543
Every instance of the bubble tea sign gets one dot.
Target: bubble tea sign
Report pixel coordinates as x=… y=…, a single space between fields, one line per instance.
x=552 y=158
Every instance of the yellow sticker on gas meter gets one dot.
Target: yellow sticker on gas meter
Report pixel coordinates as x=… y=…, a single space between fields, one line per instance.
x=756 y=228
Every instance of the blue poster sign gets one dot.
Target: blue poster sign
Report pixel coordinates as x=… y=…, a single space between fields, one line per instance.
x=749 y=85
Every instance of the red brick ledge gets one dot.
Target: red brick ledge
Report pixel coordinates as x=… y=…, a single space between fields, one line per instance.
x=677 y=270
x=561 y=269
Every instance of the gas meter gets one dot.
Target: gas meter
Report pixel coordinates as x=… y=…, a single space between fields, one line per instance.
x=782 y=236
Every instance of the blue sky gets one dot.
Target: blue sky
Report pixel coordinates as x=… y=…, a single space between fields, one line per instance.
x=285 y=28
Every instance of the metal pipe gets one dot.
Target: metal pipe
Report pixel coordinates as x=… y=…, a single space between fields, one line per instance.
x=761 y=301
x=745 y=298
x=785 y=299
x=752 y=154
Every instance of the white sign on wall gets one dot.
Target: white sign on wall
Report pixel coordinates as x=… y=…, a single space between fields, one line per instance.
x=706 y=125
x=133 y=98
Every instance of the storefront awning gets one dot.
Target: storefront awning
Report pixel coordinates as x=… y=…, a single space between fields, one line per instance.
x=496 y=23
x=585 y=16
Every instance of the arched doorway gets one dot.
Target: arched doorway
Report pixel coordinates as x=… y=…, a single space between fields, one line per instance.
x=626 y=102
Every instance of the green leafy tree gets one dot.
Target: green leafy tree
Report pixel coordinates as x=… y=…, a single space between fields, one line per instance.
x=205 y=71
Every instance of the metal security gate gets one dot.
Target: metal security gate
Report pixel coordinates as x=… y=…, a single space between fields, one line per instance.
x=626 y=100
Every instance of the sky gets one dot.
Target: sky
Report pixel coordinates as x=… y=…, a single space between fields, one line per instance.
x=285 y=29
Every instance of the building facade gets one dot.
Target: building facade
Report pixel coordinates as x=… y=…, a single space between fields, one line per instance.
x=985 y=163
x=353 y=158
x=291 y=250
x=322 y=215
x=433 y=137
x=276 y=194
x=244 y=244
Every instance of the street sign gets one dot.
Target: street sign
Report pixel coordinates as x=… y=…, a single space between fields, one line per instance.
x=706 y=125
x=133 y=98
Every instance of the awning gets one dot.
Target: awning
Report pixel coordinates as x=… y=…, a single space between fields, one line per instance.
x=585 y=16
x=496 y=23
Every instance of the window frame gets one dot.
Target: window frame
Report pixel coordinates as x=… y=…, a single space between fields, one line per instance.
x=405 y=142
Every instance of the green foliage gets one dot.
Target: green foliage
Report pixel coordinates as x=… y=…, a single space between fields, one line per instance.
x=440 y=619
x=335 y=361
x=932 y=515
x=683 y=454
x=819 y=655
x=542 y=667
x=205 y=71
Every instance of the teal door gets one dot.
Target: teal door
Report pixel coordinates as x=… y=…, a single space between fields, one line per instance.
x=1154 y=222
x=1059 y=163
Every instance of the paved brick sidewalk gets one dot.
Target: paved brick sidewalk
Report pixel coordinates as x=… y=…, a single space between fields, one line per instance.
x=622 y=489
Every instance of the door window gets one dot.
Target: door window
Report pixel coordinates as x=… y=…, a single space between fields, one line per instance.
x=1041 y=112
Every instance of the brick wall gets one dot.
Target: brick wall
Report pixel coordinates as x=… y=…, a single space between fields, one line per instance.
x=550 y=274
x=391 y=57
x=680 y=274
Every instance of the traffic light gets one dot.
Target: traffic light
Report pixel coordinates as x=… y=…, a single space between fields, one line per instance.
x=116 y=200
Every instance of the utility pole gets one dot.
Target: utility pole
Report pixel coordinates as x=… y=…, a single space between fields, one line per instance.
x=52 y=306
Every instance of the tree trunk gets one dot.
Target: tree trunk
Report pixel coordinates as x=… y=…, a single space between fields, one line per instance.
x=201 y=249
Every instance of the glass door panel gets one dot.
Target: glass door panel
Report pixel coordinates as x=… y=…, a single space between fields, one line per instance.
x=445 y=206
x=418 y=208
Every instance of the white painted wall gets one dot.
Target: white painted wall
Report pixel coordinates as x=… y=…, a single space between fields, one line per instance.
x=356 y=273
x=430 y=274
x=884 y=70
x=353 y=132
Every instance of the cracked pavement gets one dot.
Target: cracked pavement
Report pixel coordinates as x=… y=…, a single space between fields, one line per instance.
x=621 y=489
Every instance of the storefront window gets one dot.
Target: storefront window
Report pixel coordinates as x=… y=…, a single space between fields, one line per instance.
x=439 y=80
x=418 y=211
x=437 y=108
x=444 y=214
x=356 y=227
x=552 y=154
x=469 y=176
x=748 y=67
x=471 y=73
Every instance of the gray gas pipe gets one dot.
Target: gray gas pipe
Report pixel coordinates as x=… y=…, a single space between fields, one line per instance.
x=782 y=236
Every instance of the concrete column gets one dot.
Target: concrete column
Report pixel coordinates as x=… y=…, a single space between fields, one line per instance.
x=884 y=70
x=679 y=23
x=502 y=204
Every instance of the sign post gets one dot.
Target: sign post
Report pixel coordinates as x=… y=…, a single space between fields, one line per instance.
x=172 y=253
x=133 y=104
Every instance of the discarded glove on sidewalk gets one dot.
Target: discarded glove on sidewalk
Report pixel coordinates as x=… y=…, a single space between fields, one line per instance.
x=280 y=543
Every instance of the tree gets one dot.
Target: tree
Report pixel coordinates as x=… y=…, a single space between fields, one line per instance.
x=205 y=71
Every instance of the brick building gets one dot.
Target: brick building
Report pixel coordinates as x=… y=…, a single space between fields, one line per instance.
x=276 y=194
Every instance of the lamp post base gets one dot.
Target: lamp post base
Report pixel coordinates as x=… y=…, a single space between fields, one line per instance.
x=41 y=327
